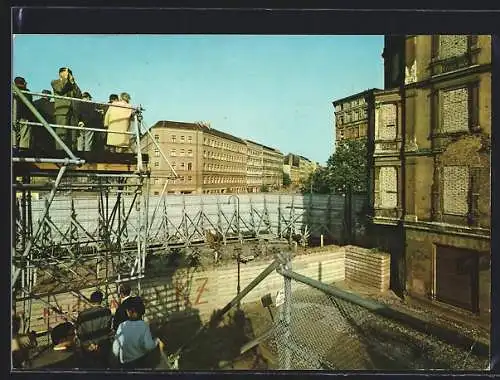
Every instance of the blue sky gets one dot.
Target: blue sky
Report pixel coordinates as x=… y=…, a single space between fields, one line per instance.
x=276 y=90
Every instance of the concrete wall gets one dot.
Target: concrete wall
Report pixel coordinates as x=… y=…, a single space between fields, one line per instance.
x=202 y=290
x=323 y=214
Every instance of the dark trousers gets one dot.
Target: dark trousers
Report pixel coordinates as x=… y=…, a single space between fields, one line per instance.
x=97 y=359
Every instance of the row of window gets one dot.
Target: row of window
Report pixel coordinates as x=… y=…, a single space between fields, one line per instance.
x=173 y=152
x=173 y=139
x=218 y=179
x=180 y=179
x=224 y=168
x=222 y=156
x=224 y=145
x=352 y=117
x=455 y=191
x=458 y=110
x=351 y=132
x=351 y=104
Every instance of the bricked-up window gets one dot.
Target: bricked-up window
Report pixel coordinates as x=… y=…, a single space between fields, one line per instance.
x=452 y=46
x=455 y=110
x=388 y=187
x=455 y=190
x=157 y=153
x=387 y=115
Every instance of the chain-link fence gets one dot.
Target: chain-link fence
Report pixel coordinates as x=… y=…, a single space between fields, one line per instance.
x=319 y=328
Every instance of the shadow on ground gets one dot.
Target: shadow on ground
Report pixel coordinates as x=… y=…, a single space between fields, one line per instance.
x=216 y=347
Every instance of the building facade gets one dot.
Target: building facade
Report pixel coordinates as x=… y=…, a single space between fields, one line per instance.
x=181 y=144
x=224 y=163
x=255 y=166
x=204 y=160
x=272 y=170
x=353 y=117
x=299 y=168
x=432 y=167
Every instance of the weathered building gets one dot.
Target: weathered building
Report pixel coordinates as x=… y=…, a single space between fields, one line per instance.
x=255 y=166
x=432 y=167
x=299 y=168
x=272 y=168
x=353 y=116
x=355 y=120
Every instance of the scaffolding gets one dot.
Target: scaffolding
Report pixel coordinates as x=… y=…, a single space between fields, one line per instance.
x=80 y=257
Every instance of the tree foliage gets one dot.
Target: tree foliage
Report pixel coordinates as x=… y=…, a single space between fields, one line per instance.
x=287 y=181
x=347 y=167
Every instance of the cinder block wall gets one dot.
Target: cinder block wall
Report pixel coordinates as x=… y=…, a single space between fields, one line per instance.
x=366 y=267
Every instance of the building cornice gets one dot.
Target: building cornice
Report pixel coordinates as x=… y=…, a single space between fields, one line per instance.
x=451 y=229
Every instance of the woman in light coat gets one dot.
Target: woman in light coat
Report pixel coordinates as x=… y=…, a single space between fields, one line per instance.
x=117 y=119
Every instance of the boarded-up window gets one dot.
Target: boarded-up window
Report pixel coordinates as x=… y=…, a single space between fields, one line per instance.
x=387 y=122
x=455 y=190
x=455 y=110
x=452 y=46
x=388 y=185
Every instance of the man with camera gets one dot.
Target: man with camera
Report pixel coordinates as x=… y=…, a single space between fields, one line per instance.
x=65 y=109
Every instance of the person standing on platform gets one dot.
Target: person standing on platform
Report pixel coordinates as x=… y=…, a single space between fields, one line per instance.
x=94 y=332
x=45 y=143
x=117 y=119
x=64 y=109
x=23 y=132
x=87 y=116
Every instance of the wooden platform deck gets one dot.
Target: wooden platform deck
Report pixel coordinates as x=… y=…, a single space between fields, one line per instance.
x=95 y=162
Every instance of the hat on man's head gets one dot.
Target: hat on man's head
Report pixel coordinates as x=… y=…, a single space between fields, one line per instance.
x=20 y=81
x=62 y=69
x=86 y=95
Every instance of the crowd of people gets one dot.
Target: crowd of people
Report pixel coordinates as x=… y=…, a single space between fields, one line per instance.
x=97 y=340
x=114 y=117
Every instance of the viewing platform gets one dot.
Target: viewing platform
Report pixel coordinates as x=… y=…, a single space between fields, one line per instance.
x=27 y=162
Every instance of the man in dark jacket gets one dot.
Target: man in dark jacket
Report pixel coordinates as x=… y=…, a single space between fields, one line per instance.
x=94 y=332
x=21 y=112
x=45 y=143
x=124 y=291
x=87 y=116
x=64 y=109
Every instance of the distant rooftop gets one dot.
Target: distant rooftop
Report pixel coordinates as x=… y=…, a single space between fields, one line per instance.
x=196 y=127
x=356 y=96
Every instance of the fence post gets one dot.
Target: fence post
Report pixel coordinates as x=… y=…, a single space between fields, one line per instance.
x=287 y=313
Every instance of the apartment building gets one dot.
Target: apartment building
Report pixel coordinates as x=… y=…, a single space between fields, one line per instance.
x=272 y=168
x=204 y=159
x=224 y=163
x=432 y=167
x=298 y=168
x=255 y=166
x=353 y=116
x=181 y=144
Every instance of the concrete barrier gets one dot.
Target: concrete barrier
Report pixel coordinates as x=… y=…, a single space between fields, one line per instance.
x=204 y=290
